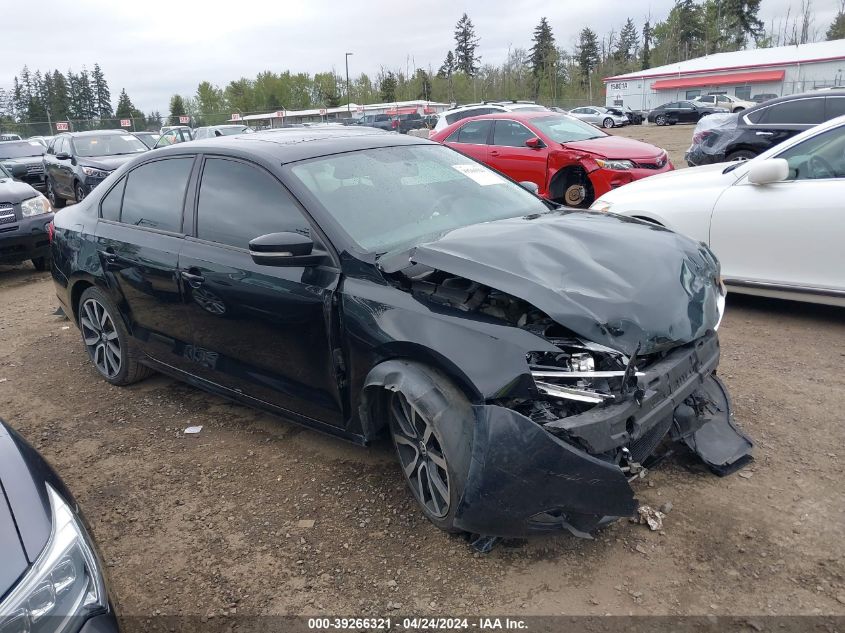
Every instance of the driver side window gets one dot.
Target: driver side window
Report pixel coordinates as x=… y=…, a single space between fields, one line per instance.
x=820 y=157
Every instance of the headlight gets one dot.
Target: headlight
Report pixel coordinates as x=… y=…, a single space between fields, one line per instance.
x=95 y=173
x=65 y=585
x=601 y=205
x=35 y=206
x=614 y=164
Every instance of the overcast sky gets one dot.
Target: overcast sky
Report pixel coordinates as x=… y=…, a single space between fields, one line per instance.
x=156 y=48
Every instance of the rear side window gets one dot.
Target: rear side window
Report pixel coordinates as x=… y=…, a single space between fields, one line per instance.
x=239 y=202
x=110 y=204
x=155 y=193
x=474 y=132
x=834 y=107
x=797 y=112
x=511 y=134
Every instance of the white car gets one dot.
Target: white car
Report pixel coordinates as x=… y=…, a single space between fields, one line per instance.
x=488 y=107
x=599 y=116
x=776 y=222
x=731 y=104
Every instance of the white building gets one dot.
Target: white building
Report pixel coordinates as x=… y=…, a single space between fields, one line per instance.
x=325 y=115
x=774 y=71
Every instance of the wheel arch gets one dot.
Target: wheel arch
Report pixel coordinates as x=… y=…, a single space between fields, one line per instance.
x=566 y=175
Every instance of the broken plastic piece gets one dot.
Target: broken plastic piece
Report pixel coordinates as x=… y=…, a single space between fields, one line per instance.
x=483 y=544
x=193 y=430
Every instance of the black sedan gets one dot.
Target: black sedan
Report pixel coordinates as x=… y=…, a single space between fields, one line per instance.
x=51 y=578
x=525 y=358
x=25 y=217
x=680 y=112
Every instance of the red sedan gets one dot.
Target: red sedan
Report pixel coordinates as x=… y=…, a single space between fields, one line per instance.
x=570 y=161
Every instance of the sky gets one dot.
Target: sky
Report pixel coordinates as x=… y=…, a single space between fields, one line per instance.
x=175 y=45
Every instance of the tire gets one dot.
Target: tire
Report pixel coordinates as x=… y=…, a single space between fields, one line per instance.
x=607 y=123
x=425 y=404
x=740 y=109
x=672 y=122
x=55 y=199
x=100 y=333
x=742 y=154
x=660 y=120
x=41 y=263
x=78 y=192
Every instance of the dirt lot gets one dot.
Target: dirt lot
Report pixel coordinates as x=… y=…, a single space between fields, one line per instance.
x=210 y=524
x=675 y=139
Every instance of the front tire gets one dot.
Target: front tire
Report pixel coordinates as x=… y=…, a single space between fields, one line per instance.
x=78 y=193
x=55 y=199
x=660 y=120
x=607 y=123
x=431 y=423
x=742 y=154
x=110 y=348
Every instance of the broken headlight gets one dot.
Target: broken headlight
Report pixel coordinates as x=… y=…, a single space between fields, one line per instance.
x=64 y=587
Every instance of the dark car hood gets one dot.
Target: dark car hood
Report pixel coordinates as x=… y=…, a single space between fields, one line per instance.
x=15 y=191
x=23 y=160
x=108 y=163
x=610 y=279
x=11 y=549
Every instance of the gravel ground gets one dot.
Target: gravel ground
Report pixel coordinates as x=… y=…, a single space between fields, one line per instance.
x=258 y=516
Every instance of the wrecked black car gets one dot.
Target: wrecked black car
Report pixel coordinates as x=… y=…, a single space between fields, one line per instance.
x=527 y=360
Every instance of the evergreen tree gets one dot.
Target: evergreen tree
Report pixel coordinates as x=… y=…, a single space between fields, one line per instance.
x=154 y=120
x=741 y=21
x=837 y=27
x=59 y=99
x=646 y=53
x=423 y=85
x=124 y=106
x=543 y=55
x=387 y=87
x=20 y=100
x=102 y=95
x=466 y=44
x=177 y=109
x=588 y=53
x=626 y=48
x=448 y=67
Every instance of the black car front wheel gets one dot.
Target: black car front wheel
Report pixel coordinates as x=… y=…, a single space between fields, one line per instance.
x=107 y=341
x=431 y=424
x=55 y=199
x=660 y=119
x=742 y=154
x=79 y=192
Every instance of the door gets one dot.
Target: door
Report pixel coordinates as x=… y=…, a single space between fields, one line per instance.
x=509 y=154
x=139 y=237
x=776 y=123
x=686 y=113
x=62 y=168
x=789 y=232
x=471 y=139
x=261 y=331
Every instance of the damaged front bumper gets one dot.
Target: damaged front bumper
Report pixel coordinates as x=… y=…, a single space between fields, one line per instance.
x=572 y=473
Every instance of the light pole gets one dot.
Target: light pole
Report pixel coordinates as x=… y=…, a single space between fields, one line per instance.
x=348 y=108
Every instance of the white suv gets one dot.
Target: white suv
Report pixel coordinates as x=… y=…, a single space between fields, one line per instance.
x=488 y=107
x=725 y=101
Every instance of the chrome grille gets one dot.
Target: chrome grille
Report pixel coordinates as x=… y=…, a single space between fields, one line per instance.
x=35 y=169
x=7 y=213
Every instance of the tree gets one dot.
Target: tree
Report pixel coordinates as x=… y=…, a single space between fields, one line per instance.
x=466 y=43
x=124 y=106
x=153 y=120
x=543 y=55
x=387 y=87
x=646 y=54
x=422 y=85
x=87 y=102
x=59 y=99
x=326 y=90
x=626 y=47
x=210 y=103
x=101 y=94
x=448 y=66
x=588 y=53
x=741 y=21
x=177 y=109
x=837 y=27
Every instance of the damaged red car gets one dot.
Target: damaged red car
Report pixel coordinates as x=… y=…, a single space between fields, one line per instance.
x=571 y=162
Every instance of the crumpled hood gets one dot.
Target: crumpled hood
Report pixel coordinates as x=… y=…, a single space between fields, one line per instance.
x=610 y=279
x=107 y=163
x=616 y=147
x=15 y=191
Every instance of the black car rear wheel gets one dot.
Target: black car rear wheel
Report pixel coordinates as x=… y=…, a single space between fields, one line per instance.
x=107 y=341
x=431 y=425
x=742 y=154
x=55 y=199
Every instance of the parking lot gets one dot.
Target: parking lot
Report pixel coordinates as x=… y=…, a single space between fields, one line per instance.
x=256 y=515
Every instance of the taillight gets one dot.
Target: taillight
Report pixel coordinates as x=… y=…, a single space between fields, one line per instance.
x=395 y=124
x=699 y=137
x=51 y=231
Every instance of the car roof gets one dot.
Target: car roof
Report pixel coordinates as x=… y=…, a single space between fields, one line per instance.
x=800 y=95
x=516 y=115
x=287 y=145
x=93 y=133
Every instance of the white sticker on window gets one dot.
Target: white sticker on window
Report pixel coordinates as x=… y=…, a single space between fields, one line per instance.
x=127 y=137
x=35 y=143
x=479 y=174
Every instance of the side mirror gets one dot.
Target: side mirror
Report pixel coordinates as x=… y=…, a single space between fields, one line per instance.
x=764 y=172
x=530 y=186
x=62 y=156
x=284 y=249
x=534 y=143
x=17 y=170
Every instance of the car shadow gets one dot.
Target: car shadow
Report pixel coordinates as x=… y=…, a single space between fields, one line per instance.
x=767 y=306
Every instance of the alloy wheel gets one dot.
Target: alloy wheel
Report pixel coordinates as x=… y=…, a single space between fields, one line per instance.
x=79 y=193
x=101 y=338
x=51 y=193
x=608 y=123
x=420 y=455
x=660 y=120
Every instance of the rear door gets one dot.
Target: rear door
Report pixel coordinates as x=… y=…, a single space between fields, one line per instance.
x=509 y=154
x=260 y=331
x=139 y=237
x=781 y=121
x=472 y=139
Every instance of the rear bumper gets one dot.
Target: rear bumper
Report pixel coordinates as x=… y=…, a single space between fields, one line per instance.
x=28 y=241
x=697 y=155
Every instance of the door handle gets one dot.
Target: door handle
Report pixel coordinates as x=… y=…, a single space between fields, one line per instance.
x=765 y=133
x=109 y=257
x=494 y=153
x=194 y=280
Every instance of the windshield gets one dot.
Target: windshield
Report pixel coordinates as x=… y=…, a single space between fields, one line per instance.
x=21 y=149
x=229 y=131
x=390 y=198
x=107 y=145
x=566 y=129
